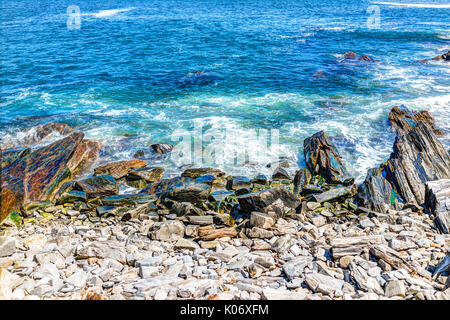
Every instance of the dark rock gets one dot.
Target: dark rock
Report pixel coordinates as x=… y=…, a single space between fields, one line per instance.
x=158 y=188
x=119 y=169
x=322 y=158
x=280 y=174
x=418 y=157
x=403 y=120
x=366 y=58
x=236 y=183
x=197 y=172
x=258 y=201
x=162 y=148
x=301 y=179
x=443 y=266
x=376 y=193
x=149 y=175
x=107 y=210
x=350 y=55
x=72 y=196
x=98 y=186
x=207 y=178
x=188 y=192
x=444 y=56
x=220 y=195
x=128 y=199
x=37 y=175
x=437 y=202
x=260 y=179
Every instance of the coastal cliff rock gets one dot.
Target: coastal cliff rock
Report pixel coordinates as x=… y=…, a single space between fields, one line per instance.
x=403 y=120
x=350 y=55
x=322 y=158
x=437 y=201
x=119 y=169
x=37 y=175
x=85 y=156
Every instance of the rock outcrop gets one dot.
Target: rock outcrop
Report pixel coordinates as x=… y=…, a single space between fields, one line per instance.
x=437 y=201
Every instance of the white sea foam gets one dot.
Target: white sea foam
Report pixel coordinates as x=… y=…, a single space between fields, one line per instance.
x=415 y=5
x=107 y=13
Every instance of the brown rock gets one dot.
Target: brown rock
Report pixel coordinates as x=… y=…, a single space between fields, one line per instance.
x=119 y=169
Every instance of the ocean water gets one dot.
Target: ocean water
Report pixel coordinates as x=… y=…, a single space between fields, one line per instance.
x=127 y=76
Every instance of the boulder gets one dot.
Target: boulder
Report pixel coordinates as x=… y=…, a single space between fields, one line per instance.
x=444 y=56
x=197 y=172
x=84 y=157
x=332 y=195
x=128 y=199
x=261 y=220
x=149 y=175
x=188 y=192
x=280 y=174
x=98 y=186
x=159 y=188
x=301 y=179
x=260 y=200
x=37 y=175
x=119 y=169
x=403 y=120
x=236 y=183
x=167 y=231
x=185 y=209
x=7 y=246
x=322 y=158
x=437 y=202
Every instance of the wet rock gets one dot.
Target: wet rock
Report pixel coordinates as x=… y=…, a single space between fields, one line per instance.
x=403 y=120
x=260 y=200
x=98 y=186
x=301 y=179
x=84 y=157
x=220 y=195
x=37 y=175
x=437 y=201
x=260 y=179
x=72 y=196
x=119 y=169
x=444 y=56
x=7 y=246
x=237 y=183
x=280 y=174
x=188 y=192
x=322 y=158
x=46 y=131
x=158 y=188
x=350 y=55
x=418 y=157
x=197 y=172
x=167 y=231
x=376 y=193
x=161 y=148
x=261 y=220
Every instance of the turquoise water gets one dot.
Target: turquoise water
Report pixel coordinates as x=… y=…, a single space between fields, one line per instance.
x=130 y=69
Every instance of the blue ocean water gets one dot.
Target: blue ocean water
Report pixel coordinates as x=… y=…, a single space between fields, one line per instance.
x=127 y=76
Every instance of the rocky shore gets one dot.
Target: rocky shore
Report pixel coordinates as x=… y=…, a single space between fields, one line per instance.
x=206 y=235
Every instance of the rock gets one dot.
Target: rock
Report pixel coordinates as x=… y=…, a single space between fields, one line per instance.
x=332 y=195
x=260 y=179
x=363 y=280
x=444 y=56
x=403 y=120
x=237 y=183
x=322 y=158
x=148 y=175
x=167 y=231
x=185 y=209
x=344 y=261
x=319 y=221
x=6 y=283
x=141 y=209
x=350 y=55
x=147 y=272
x=282 y=244
x=280 y=174
x=391 y=256
x=44 y=132
x=7 y=246
x=36 y=176
x=295 y=267
x=260 y=200
x=78 y=279
x=102 y=250
x=211 y=234
x=366 y=58
x=443 y=266
x=256 y=232
x=301 y=179
x=188 y=192
x=186 y=244
x=201 y=220
x=8 y=156
x=376 y=193
x=395 y=288
x=119 y=169
x=352 y=246
x=324 y=284
x=418 y=157
x=261 y=220
x=159 y=188
x=161 y=148
x=98 y=186
x=437 y=202
x=279 y=294
x=71 y=197
x=84 y=157
x=197 y=172
x=128 y=199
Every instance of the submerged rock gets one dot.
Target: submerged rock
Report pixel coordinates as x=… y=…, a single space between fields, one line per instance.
x=322 y=158
x=444 y=56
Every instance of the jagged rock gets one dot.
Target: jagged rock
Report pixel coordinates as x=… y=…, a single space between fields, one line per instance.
x=8 y=156
x=324 y=284
x=37 y=175
x=418 y=157
x=443 y=266
x=350 y=55
x=260 y=179
x=322 y=158
x=236 y=183
x=260 y=200
x=186 y=244
x=444 y=56
x=119 y=169
x=391 y=256
x=352 y=246
x=72 y=196
x=98 y=186
x=185 y=209
x=332 y=194
x=149 y=175
x=437 y=201
x=363 y=280
x=197 y=172
x=162 y=148
x=102 y=250
x=295 y=267
x=403 y=120
x=301 y=179
x=376 y=193
x=188 y=192
x=260 y=233
x=138 y=210
x=158 y=188
x=395 y=288
x=201 y=220
x=7 y=246
x=282 y=244
x=84 y=157
x=167 y=230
